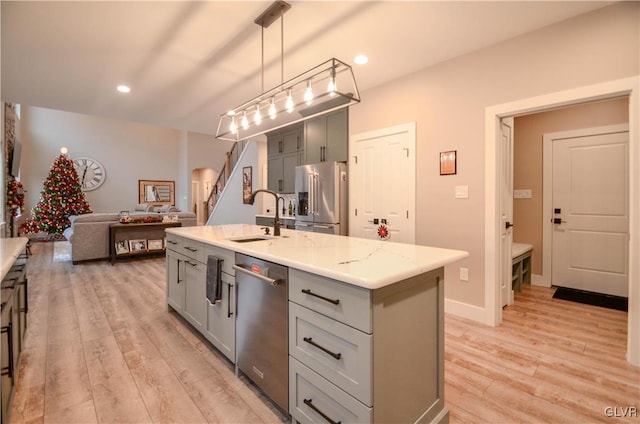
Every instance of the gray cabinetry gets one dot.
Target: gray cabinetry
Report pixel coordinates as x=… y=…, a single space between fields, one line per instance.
x=326 y=137
x=175 y=273
x=284 y=154
x=359 y=355
x=187 y=291
x=14 y=311
x=221 y=318
x=195 y=303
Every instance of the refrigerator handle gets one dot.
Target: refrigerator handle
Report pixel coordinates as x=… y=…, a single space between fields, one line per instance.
x=316 y=190
x=311 y=199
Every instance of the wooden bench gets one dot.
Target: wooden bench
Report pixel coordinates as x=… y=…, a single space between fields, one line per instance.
x=521 y=265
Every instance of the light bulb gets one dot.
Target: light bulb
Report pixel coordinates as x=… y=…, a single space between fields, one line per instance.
x=245 y=121
x=308 y=93
x=289 y=103
x=257 y=117
x=233 y=127
x=332 y=87
x=272 y=109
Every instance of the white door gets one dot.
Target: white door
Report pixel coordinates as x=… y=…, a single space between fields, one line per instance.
x=382 y=184
x=506 y=211
x=590 y=218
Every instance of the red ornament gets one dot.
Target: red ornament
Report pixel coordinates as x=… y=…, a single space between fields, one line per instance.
x=383 y=232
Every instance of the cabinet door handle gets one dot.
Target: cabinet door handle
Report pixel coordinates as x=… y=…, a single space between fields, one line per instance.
x=326 y=299
x=310 y=404
x=172 y=242
x=25 y=283
x=178 y=272
x=229 y=313
x=8 y=370
x=190 y=249
x=324 y=349
x=191 y=263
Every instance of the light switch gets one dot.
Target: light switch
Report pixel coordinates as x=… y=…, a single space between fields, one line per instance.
x=462 y=192
x=464 y=274
x=522 y=194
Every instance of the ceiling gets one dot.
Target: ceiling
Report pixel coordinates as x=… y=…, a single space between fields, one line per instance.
x=188 y=62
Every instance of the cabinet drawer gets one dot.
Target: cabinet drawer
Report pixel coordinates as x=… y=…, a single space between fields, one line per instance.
x=193 y=249
x=327 y=399
x=227 y=256
x=174 y=242
x=321 y=295
x=339 y=353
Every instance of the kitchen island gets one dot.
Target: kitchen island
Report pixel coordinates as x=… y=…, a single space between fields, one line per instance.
x=365 y=317
x=13 y=312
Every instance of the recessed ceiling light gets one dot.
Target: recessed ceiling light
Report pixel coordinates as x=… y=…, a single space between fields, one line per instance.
x=361 y=59
x=124 y=89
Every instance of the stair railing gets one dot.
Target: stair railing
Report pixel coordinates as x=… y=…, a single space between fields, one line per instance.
x=230 y=163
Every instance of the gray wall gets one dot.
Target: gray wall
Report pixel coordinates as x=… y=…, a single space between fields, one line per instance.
x=129 y=151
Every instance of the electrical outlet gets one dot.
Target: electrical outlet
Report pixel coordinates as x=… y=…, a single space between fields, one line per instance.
x=464 y=274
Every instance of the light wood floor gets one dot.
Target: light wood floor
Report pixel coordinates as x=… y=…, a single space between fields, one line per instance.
x=101 y=347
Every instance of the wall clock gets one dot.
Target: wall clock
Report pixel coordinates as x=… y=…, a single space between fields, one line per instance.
x=91 y=173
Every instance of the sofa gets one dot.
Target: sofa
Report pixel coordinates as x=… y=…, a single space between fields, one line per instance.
x=89 y=233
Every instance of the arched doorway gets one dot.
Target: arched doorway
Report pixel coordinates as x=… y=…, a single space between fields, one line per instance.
x=202 y=180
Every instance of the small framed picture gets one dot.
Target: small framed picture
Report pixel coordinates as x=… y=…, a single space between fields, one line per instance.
x=122 y=247
x=136 y=246
x=247 y=184
x=156 y=244
x=448 y=163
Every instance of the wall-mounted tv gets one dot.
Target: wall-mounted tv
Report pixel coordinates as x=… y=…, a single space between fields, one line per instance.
x=14 y=158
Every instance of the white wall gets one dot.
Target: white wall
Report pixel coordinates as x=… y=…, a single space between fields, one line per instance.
x=230 y=209
x=448 y=103
x=203 y=151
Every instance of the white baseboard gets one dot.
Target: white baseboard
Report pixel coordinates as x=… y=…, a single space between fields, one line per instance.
x=464 y=310
x=539 y=280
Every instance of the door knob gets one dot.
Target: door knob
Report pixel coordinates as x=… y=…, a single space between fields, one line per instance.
x=508 y=225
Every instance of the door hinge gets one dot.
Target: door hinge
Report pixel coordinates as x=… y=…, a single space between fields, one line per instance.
x=407 y=214
x=356 y=212
x=355 y=158
x=406 y=150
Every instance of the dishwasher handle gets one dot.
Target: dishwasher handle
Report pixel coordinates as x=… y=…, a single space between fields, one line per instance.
x=244 y=270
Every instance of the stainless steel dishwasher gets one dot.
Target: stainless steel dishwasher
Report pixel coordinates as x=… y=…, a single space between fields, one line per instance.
x=261 y=326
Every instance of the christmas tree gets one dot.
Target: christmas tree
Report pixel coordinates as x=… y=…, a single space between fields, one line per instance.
x=61 y=197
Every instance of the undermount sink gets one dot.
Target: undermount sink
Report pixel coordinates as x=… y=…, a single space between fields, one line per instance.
x=249 y=239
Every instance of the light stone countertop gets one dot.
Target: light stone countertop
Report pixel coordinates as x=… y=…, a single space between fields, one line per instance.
x=365 y=263
x=10 y=249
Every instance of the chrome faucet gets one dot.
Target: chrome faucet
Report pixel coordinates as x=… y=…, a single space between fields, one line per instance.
x=276 y=220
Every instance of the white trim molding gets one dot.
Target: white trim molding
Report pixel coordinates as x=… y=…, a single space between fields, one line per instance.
x=464 y=310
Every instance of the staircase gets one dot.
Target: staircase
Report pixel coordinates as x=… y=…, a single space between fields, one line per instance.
x=225 y=172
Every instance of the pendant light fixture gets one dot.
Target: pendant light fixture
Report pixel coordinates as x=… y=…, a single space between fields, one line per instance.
x=294 y=100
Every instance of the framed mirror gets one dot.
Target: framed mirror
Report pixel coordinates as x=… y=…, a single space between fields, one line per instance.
x=156 y=193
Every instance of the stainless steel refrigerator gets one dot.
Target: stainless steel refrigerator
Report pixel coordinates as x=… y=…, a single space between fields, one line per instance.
x=321 y=197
